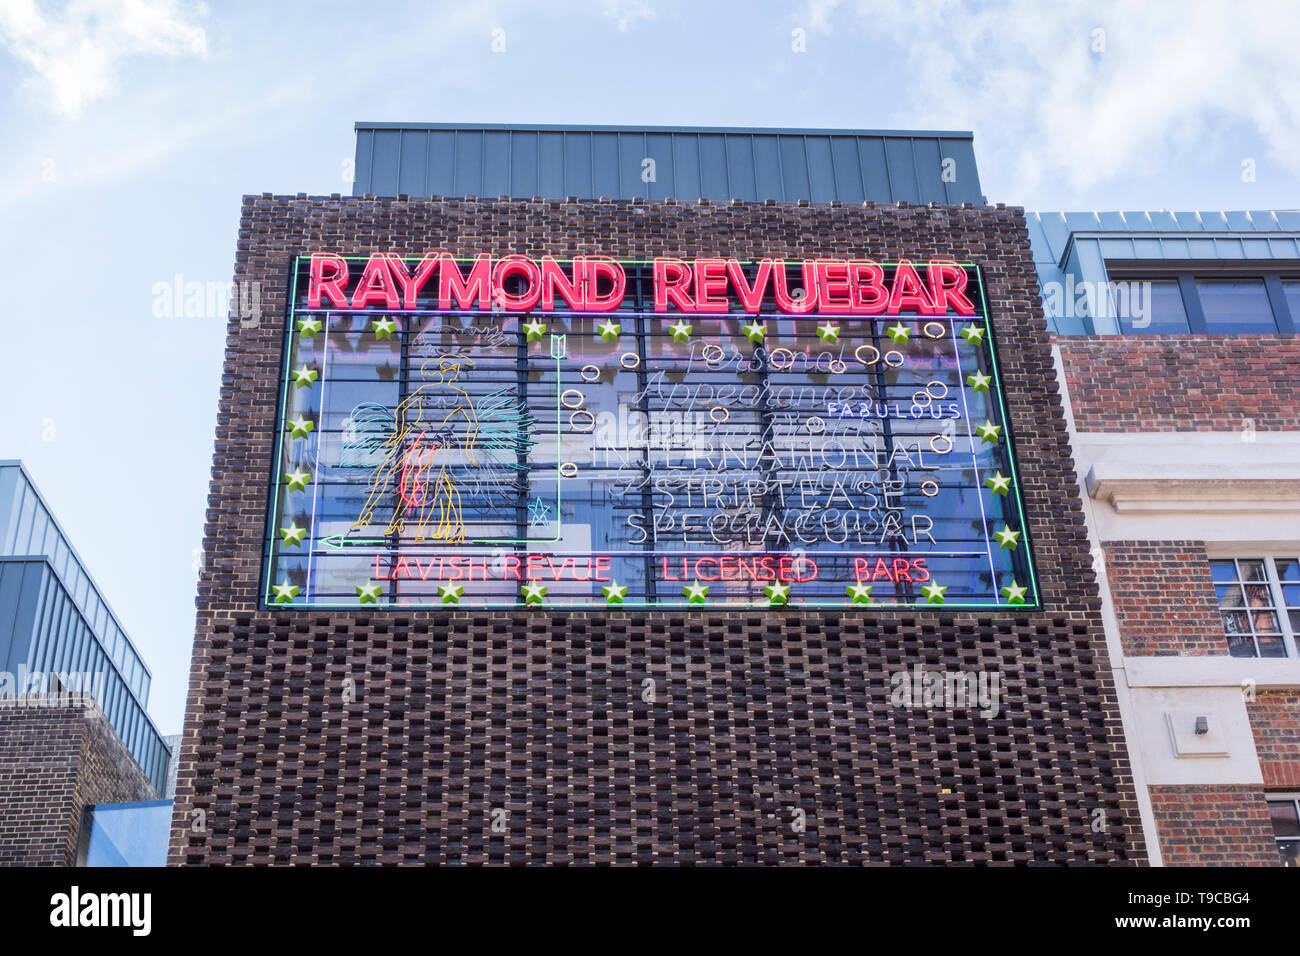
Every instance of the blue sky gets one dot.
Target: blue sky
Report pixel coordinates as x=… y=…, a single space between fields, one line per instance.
x=129 y=131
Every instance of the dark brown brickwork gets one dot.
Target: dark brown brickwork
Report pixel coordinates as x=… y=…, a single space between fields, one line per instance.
x=1275 y=723
x=1175 y=383
x=1221 y=825
x=757 y=716
x=1164 y=598
x=53 y=762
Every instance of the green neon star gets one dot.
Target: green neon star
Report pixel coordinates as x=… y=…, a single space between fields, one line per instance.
x=304 y=376
x=755 y=331
x=298 y=480
x=998 y=483
x=450 y=593
x=979 y=382
x=828 y=333
x=384 y=328
x=534 y=330
x=777 y=594
x=300 y=427
x=1014 y=594
x=368 y=593
x=898 y=333
x=613 y=592
x=285 y=593
x=308 y=327
x=534 y=593
x=696 y=593
x=989 y=432
x=973 y=335
x=933 y=593
x=681 y=331
x=1007 y=538
x=610 y=331
x=293 y=535
x=860 y=593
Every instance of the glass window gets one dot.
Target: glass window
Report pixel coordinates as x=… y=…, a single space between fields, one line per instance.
x=24 y=534
x=1235 y=306
x=1149 y=307
x=1259 y=602
x=1285 y=815
x=1291 y=289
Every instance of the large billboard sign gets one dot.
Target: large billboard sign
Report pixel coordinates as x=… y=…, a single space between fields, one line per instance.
x=511 y=431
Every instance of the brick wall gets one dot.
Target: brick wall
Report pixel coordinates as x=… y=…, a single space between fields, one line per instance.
x=53 y=762
x=1164 y=598
x=1182 y=382
x=1222 y=825
x=537 y=718
x=1275 y=723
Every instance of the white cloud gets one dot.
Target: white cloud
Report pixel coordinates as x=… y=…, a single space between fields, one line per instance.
x=1058 y=103
x=75 y=52
x=626 y=13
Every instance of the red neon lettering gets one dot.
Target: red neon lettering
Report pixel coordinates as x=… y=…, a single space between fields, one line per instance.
x=401 y=566
x=948 y=288
x=376 y=285
x=867 y=284
x=672 y=279
x=833 y=290
x=411 y=284
x=811 y=565
x=919 y=565
x=881 y=570
x=751 y=297
x=478 y=285
x=596 y=268
x=379 y=575
x=328 y=276
x=511 y=572
x=554 y=280
x=517 y=265
x=768 y=567
x=860 y=569
x=534 y=568
x=602 y=568
x=901 y=566
x=699 y=569
x=781 y=292
x=908 y=293
x=711 y=285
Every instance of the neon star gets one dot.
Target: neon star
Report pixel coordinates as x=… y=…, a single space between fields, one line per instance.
x=613 y=592
x=285 y=593
x=860 y=593
x=297 y=480
x=304 y=376
x=293 y=535
x=989 y=432
x=973 y=335
x=384 y=328
x=828 y=333
x=681 y=331
x=696 y=593
x=368 y=593
x=755 y=331
x=450 y=593
x=998 y=483
x=979 y=382
x=777 y=594
x=898 y=333
x=610 y=331
x=933 y=593
x=308 y=328
x=534 y=593
x=539 y=513
x=300 y=427
x=1007 y=538
x=534 y=330
x=1015 y=594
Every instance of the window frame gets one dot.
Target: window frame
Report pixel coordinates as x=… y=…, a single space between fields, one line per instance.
x=1187 y=272
x=1294 y=800
x=1290 y=637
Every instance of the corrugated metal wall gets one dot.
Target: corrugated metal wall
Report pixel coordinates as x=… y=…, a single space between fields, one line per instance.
x=849 y=166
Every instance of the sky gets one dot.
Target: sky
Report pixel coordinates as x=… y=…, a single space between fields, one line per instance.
x=130 y=130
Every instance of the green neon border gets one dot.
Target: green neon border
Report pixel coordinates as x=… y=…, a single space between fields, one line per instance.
x=594 y=605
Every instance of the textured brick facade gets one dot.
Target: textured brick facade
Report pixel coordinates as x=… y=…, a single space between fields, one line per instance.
x=53 y=762
x=1223 y=825
x=1176 y=383
x=1164 y=598
x=537 y=719
x=1275 y=723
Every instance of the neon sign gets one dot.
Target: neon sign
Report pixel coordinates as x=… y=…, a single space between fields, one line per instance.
x=712 y=432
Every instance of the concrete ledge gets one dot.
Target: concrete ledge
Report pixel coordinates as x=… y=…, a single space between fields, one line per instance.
x=1213 y=671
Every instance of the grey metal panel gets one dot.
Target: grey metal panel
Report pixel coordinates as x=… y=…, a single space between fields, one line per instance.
x=767 y=168
x=928 y=163
x=848 y=170
x=713 y=167
x=362 y=176
x=794 y=167
x=686 y=166
x=412 y=160
x=550 y=165
x=899 y=158
x=441 y=166
x=577 y=166
x=496 y=163
x=875 y=170
x=659 y=147
x=821 y=168
x=740 y=167
x=384 y=157
x=631 y=151
x=469 y=166
x=604 y=165
x=523 y=164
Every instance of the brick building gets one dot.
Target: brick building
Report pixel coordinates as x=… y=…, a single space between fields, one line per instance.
x=486 y=719
x=1174 y=337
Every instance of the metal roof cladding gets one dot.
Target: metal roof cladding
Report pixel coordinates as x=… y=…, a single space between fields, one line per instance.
x=658 y=162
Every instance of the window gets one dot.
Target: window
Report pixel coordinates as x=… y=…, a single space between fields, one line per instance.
x=1235 y=306
x=1259 y=601
x=1150 y=307
x=1291 y=292
x=1284 y=811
